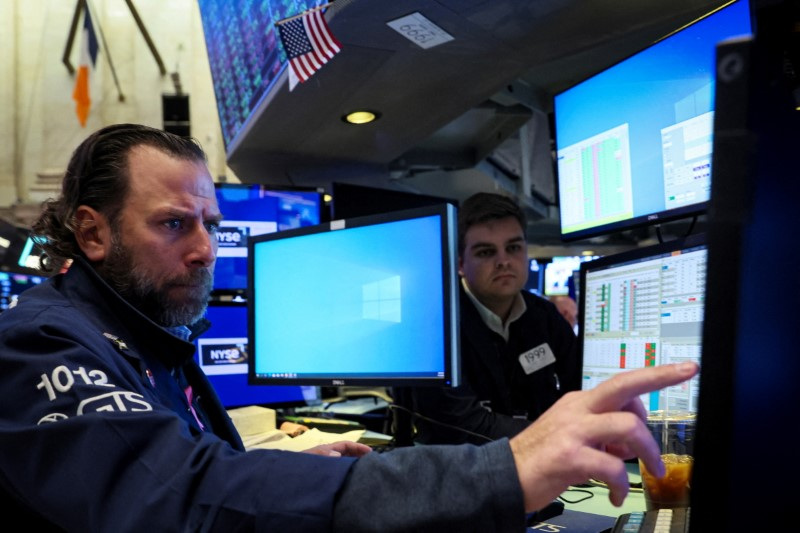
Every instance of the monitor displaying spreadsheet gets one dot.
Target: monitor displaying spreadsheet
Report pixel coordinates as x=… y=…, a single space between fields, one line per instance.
x=644 y=308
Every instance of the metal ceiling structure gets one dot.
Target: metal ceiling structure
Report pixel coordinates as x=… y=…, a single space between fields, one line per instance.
x=443 y=109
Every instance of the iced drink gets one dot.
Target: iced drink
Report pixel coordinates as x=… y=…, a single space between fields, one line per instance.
x=672 y=490
x=674 y=432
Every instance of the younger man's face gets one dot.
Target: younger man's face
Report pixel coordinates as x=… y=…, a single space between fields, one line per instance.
x=495 y=261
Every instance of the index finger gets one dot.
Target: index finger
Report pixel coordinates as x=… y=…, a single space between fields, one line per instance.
x=617 y=392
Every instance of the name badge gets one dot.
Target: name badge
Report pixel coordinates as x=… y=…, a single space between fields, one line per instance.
x=537 y=358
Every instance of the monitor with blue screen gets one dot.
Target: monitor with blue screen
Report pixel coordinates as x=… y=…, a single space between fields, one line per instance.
x=254 y=209
x=364 y=301
x=644 y=308
x=15 y=282
x=222 y=354
x=634 y=142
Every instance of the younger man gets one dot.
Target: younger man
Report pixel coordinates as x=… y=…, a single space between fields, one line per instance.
x=518 y=354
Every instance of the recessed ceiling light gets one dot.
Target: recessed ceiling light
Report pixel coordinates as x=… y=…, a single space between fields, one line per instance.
x=361 y=117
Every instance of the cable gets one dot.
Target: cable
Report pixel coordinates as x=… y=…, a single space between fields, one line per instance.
x=589 y=495
x=414 y=414
x=691 y=226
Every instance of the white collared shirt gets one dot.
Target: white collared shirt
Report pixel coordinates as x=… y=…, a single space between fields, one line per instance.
x=494 y=322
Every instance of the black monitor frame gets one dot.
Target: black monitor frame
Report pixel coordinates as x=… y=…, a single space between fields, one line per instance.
x=748 y=396
x=351 y=200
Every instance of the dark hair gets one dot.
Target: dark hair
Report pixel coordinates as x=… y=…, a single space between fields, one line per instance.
x=482 y=207
x=97 y=176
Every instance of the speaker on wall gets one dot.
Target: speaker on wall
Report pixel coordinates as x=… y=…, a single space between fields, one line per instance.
x=175 y=112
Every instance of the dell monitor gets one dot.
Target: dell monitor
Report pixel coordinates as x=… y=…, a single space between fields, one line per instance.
x=362 y=301
x=644 y=308
x=634 y=142
x=254 y=209
x=222 y=354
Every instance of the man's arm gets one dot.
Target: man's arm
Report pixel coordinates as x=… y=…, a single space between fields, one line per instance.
x=433 y=488
x=586 y=434
x=589 y=434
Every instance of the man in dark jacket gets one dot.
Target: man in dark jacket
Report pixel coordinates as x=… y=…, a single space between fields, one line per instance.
x=108 y=424
x=518 y=354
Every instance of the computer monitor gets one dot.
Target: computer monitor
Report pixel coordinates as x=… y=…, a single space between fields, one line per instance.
x=244 y=55
x=535 y=283
x=644 y=308
x=30 y=254
x=254 y=209
x=15 y=282
x=13 y=241
x=748 y=406
x=634 y=142
x=222 y=354
x=559 y=271
x=350 y=200
x=363 y=301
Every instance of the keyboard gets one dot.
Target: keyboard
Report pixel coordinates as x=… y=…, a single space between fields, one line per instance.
x=657 y=521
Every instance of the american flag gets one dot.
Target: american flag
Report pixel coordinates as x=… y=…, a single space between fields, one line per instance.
x=309 y=44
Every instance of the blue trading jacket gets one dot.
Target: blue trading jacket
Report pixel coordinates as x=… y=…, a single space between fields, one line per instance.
x=96 y=435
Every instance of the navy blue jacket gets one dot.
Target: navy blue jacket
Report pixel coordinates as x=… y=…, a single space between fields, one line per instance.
x=97 y=435
x=497 y=397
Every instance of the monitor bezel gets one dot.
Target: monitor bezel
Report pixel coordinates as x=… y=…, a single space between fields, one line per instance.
x=694 y=210
x=448 y=271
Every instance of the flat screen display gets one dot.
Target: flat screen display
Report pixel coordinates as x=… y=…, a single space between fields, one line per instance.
x=559 y=271
x=12 y=284
x=244 y=54
x=634 y=142
x=351 y=200
x=644 y=308
x=364 y=301
x=255 y=209
x=222 y=353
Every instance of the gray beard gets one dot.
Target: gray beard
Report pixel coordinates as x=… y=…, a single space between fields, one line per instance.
x=126 y=277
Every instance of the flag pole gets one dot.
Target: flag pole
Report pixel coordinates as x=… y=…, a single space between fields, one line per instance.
x=73 y=29
x=287 y=19
x=107 y=54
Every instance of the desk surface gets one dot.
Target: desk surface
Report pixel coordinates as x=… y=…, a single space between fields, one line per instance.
x=587 y=509
x=599 y=503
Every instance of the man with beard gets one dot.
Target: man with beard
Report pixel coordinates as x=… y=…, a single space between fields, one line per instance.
x=108 y=424
x=518 y=354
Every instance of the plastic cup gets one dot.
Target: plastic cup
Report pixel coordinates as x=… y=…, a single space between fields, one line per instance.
x=674 y=432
